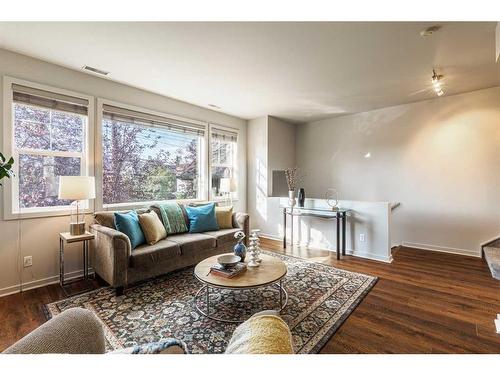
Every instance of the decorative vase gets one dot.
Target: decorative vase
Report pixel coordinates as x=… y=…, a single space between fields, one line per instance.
x=301 y=197
x=240 y=250
x=291 y=198
x=254 y=249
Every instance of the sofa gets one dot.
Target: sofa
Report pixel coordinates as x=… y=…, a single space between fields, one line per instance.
x=79 y=331
x=116 y=263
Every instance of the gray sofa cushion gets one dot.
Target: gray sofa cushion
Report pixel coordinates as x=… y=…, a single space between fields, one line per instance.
x=145 y=256
x=223 y=235
x=190 y=242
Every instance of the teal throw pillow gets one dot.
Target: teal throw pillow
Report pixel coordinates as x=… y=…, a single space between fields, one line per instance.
x=129 y=225
x=202 y=218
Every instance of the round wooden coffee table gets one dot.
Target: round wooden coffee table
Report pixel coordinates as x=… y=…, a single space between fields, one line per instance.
x=272 y=270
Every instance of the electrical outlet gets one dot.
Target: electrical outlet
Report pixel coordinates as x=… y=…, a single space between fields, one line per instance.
x=362 y=237
x=28 y=261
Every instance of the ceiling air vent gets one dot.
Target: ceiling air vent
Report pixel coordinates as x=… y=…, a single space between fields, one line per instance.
x=430 y=31
x=95 y=70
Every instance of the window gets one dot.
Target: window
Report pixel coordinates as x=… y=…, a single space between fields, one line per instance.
x=223 y=163
x=150 y=158
x=49 y=140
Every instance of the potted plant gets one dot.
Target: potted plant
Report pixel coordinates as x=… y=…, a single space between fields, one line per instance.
x=5 y=167
x=291 y=175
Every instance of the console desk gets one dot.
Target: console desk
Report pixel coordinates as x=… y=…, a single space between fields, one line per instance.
x=339 y=215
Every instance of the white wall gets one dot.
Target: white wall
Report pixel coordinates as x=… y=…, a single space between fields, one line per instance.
x=39 y=237
x=281 y=148
x=257 y=171
x=440 y=158
x=271 y=146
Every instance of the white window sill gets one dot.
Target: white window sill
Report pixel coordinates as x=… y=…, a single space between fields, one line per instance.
x=41 y=213
x=138 y=205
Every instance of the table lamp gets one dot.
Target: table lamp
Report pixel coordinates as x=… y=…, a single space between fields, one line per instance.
x=226 y=186
x=77 y=188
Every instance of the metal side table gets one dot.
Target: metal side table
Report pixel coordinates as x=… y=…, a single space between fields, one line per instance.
x=66 y=238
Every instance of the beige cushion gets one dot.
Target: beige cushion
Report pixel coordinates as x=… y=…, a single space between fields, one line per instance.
x=261 y=334
x=152 y=227
x=224 y=217
x=146 y=256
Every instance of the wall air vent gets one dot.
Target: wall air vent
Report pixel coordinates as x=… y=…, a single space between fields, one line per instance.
x=95 y=70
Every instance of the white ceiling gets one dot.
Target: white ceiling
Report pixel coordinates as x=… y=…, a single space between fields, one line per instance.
x=295 y=71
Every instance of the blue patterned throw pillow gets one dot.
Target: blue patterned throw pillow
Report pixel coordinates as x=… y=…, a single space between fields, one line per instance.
x=202 y=218
x=129 y=225
x=167 y=346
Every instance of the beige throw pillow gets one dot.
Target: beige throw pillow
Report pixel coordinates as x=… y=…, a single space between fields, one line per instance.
x=152 y=227
x=224 y=217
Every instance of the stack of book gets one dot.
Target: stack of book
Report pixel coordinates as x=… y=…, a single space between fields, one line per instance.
x=228 y=272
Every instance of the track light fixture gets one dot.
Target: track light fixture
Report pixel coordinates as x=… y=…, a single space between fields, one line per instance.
x=437 y=84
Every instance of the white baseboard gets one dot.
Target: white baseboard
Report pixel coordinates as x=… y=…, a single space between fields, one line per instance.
x=270 y=237
x=443 y=249
x=371 y=256
x=39 y=283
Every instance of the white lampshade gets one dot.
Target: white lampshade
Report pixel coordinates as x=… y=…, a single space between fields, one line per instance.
x=76 y=187
x=225 y=185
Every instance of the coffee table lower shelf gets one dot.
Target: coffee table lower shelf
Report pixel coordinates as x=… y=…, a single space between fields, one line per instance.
x=283 y=299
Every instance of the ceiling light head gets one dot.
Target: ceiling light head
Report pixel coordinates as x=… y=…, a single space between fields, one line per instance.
x=429 y=31
x=437 y=83
x=95 y=70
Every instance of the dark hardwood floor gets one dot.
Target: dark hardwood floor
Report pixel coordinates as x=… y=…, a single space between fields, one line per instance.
x=424 y=302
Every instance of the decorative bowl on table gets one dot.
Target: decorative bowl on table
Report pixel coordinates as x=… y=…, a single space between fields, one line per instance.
x=228 y=261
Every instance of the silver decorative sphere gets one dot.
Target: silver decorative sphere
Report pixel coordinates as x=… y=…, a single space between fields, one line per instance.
x=332 y=198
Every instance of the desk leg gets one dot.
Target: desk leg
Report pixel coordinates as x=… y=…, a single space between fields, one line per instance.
x=343 y=232
x=284 y=228
x=338 y=235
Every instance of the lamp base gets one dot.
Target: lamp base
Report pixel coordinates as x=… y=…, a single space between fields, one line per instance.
x=76 y=229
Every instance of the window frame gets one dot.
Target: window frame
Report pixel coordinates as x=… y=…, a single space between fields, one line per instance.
x=203 y=183
x=11 y=185
x=212 y=129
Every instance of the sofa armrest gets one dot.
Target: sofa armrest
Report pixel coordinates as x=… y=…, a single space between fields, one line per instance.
x=110 y=254
x=242 y=221
x=74 y=331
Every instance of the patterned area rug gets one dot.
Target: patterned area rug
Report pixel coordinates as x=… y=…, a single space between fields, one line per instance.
x=321 y=297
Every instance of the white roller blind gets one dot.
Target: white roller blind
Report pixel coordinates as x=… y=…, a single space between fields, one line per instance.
x=146 y=119
x=48 y=99
x=223 y=134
